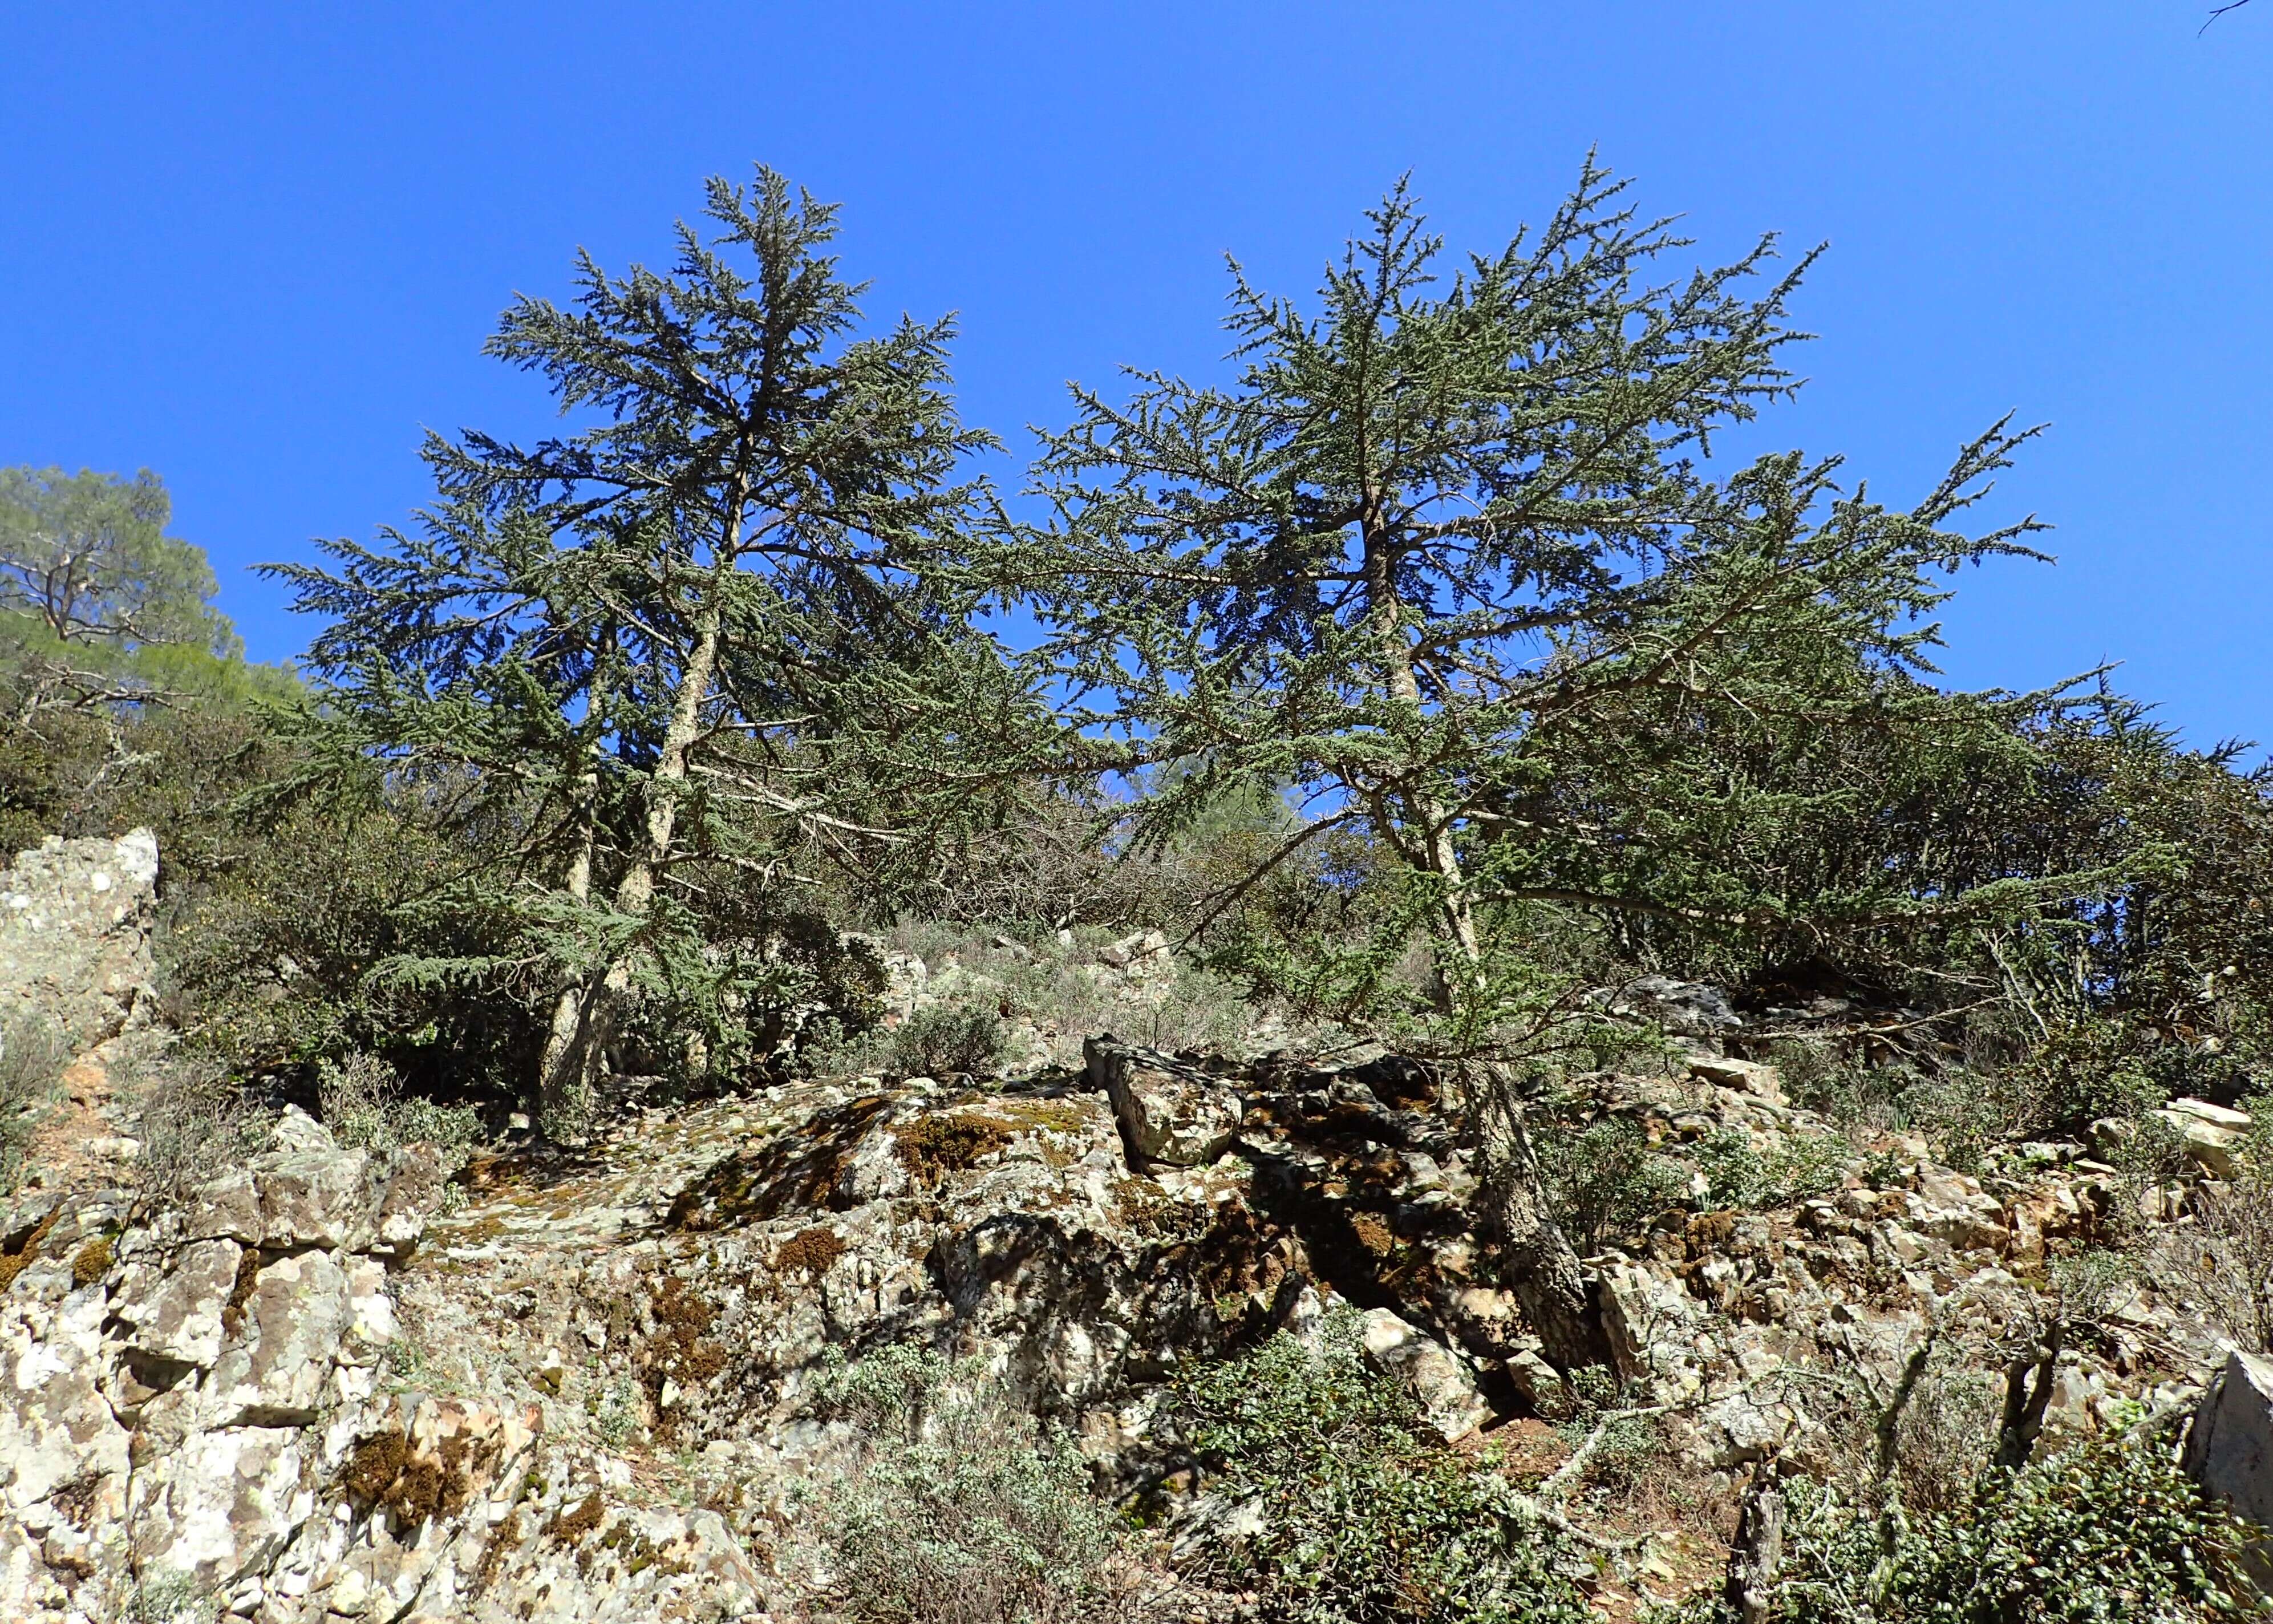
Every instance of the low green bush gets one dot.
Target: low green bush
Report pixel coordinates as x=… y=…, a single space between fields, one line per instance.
x=194 y=1119
x=2110 y=1531
x=1739 y=1174
x=946 y=1041
x=957 y=1508
x=1606 y=1180
x=363 y=1103
x=1363 y=1514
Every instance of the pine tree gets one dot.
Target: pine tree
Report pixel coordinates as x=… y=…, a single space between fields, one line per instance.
x=1439 y=559
x=682 y=649
x=91 y=588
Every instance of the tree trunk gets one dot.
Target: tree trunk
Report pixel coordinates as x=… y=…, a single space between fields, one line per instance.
x=2022 y=1422
x=564 y=1076
x=569 y=1065
x=1757 y=1552
x=1535 y=1257
x=635 y=891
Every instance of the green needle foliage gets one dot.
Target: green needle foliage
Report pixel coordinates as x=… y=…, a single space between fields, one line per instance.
x=672 y=662
x=87 y=556
x=1447 y=561
x=98 y=606
x=124 y=695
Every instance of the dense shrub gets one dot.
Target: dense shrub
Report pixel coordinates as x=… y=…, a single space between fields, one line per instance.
x=945 y=1041
x=956 y=1509
x=1739 y=1174
x=195 y=1122
x=31 y=1059
x=361 y=1100
x=1606 y=1180
x=2110 y=1531
x=1363 y=1514
x=327 y=941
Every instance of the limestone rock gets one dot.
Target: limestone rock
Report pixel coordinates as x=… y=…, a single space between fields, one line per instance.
x=55 y=1427
x=174 y=1307
x=1438 y=1379
x=311 y=1198
x=219 y=1507
x=1953 y=1207
x=258 y=1400
x=2211 y=1133
x=1139 y=957
x=1170 y=1112
x=2230 y=1447
x=75 y=934
x=1691 y=1008
x=1755 y=1078
x=293 y=1325
x=305 y=1190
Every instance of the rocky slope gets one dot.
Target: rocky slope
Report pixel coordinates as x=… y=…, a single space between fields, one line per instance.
x=580 y=1388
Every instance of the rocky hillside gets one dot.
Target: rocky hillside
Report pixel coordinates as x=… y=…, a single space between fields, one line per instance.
x=668 y=1377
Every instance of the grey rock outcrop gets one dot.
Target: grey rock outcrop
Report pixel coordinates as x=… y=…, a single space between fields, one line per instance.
x=214 y=1408
x=594 y=1389
x=2229 y=1446
x=1693 y=1009
x=1170 y=1112
x=74 y=934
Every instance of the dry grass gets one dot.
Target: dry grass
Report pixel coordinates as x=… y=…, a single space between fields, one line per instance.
x=2222 y=1263
x=193 y=1120
x=31 y=1055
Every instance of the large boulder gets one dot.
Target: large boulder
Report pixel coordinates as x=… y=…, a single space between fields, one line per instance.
x=2212 y=1133
x=75 y=935
x=1168 y=1112
x=2230 y=1447
x=1692 y=1009
x=172 y=1308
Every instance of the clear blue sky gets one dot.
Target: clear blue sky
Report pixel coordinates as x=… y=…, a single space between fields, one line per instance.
x=258 y=248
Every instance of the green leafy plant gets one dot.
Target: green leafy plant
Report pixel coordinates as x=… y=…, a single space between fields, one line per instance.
x=1739 y=1174
x=363 y=1104
x=1358 y=1511
x=2109 y=1531
x=957 y=1509
x=194 y=1120
x=946 y=1041
x=1607 y=1180
x=171 y=1599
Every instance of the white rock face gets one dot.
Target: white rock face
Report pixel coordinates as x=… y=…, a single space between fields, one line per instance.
x=55 y=1427
x=219 y=1507
x=1171 y=1113
x=1439 y=1379
x=187 y=1423
x=2211 y=1133
x=74 y=934
x=275 y=1373
x=307 y=1399
x=174 y=1307
x=2230 y=1448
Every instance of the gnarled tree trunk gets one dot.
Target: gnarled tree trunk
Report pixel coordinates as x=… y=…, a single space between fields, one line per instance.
x=1536 y=1259
x=1756 y=1555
